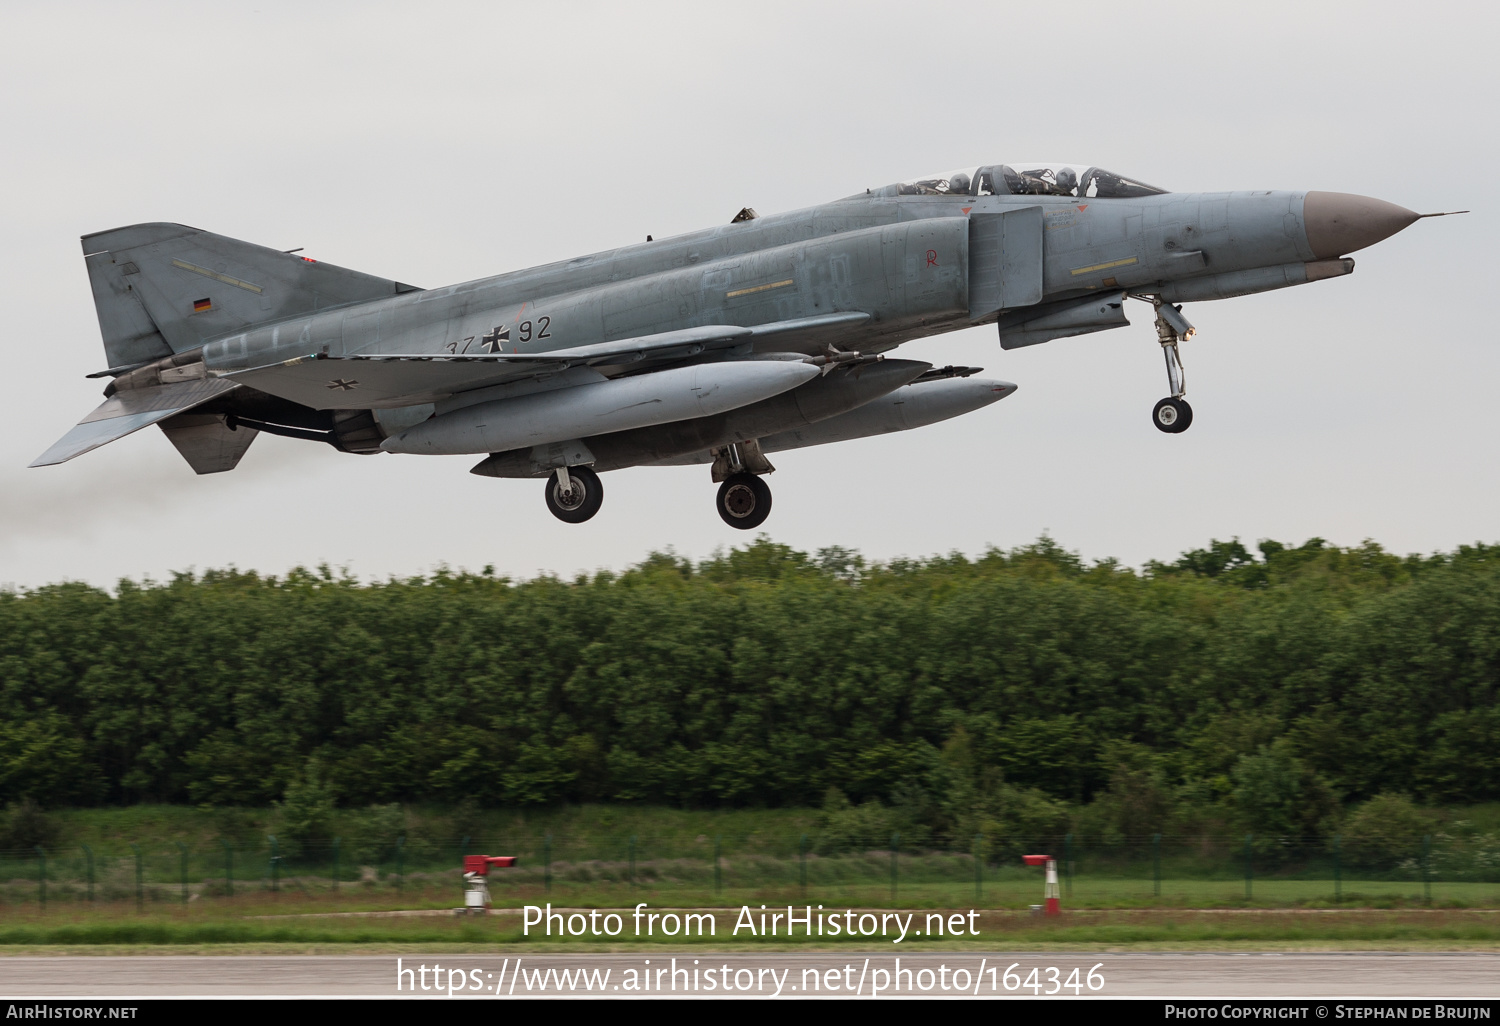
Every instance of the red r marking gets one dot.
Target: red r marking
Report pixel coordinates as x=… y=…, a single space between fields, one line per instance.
x=932 y=258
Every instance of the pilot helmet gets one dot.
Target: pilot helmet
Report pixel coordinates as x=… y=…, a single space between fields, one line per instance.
x=958 y=183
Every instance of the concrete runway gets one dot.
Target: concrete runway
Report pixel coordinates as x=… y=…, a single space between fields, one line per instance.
x=1454 y=975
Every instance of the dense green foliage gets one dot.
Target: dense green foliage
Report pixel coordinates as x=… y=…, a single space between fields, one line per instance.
x=1271 y=690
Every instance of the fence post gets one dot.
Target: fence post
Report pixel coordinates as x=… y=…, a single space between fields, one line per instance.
x=275 y=867
x=1068 y=865
x=228 y=869
x=1338 y=876
x=1426 y=869
x=463 y=851
x=895 y=849
x=88 y=855
x=547 y=861
x=41 y=877
x=978 y=868
x=401 y=864
x=182 y=857
x=802 y=864
x=1156 y=864
x=632 y=862
x=140 y=896
x=718 y=878
x=1249 y=872
x=336 y=863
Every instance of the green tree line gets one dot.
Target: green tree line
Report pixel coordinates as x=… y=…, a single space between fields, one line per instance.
x=1278 y=686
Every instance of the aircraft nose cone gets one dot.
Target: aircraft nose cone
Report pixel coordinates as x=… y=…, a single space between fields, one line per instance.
x=1340 y=222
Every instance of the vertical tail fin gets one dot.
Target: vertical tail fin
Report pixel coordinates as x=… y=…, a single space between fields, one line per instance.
x=163 y=288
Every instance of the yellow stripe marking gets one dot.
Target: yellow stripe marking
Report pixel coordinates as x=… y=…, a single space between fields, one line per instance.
x=216 y=276
x=1102 y=267
x=758 y=288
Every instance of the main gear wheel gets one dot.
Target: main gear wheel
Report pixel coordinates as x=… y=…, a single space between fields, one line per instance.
x=574 y=494
x=744 y=501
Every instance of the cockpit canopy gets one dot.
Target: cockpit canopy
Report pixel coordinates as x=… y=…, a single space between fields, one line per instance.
x=1029 y=179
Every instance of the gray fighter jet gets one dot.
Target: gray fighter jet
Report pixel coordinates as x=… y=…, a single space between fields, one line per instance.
x=717 y=347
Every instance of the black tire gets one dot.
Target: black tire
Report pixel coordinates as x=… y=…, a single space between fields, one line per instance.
x=1173 y=416
x=744 y=501
x=581 y=502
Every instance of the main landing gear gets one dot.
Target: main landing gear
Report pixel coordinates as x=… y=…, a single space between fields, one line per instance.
x=1172 y=414
x=744 y=501
x=574 y=494
x=744 y=497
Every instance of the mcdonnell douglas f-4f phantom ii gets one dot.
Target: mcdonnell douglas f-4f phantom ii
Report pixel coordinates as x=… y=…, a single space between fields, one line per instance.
x=717 y=347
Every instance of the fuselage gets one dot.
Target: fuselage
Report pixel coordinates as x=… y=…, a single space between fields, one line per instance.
x=904 y=260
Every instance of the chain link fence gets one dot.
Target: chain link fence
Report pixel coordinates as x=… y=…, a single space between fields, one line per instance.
x=1184 y=871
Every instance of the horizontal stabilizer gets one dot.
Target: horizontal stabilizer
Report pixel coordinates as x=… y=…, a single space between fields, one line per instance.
x=129 y=411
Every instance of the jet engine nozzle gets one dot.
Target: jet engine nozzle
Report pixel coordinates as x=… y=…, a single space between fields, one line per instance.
x=1339 y=222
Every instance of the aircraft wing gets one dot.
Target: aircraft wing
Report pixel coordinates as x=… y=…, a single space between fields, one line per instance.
x=129 y=411
x=384 y=380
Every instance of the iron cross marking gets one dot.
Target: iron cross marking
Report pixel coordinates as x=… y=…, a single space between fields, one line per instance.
x=343 y=385
x=493 y=340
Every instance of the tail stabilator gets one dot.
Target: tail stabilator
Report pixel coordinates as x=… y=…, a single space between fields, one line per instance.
x=160 y=291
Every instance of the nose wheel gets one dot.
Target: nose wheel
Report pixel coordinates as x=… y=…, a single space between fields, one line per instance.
x=1172 y=415
x=744 y=501
x=574 y=494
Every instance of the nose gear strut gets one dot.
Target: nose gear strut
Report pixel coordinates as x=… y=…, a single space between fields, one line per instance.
x=1173 y=414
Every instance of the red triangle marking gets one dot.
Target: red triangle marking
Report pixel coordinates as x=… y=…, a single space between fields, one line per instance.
x=967 y=209
x=1082 y=207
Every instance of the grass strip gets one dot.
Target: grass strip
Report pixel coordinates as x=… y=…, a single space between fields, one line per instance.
x=997 y=931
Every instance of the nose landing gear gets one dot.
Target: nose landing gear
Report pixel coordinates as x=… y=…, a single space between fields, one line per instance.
x=1172 y=414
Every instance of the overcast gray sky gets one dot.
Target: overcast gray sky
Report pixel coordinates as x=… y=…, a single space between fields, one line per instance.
x=439 y=142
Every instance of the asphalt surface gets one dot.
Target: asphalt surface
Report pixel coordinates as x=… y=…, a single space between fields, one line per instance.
x=1351 y=975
